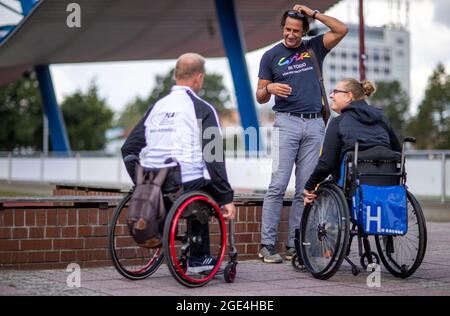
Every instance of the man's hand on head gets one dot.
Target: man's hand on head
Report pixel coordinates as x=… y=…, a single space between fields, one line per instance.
x=303 y=9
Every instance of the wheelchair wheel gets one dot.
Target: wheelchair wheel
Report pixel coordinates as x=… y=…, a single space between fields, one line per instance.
x=193 y=218
x=325 y=232
x=402 y=255
x=132 y=261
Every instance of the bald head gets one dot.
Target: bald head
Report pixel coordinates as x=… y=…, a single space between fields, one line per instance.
x=188 y=65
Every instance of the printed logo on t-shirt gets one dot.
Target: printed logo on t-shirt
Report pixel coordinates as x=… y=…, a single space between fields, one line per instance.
x=297 y=57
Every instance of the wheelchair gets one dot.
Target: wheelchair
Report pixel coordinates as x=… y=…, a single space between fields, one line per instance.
x=189 y=215
x=370 y=179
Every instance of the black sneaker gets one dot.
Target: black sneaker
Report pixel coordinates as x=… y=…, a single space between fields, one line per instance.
x=201 y=264
x=269 y=254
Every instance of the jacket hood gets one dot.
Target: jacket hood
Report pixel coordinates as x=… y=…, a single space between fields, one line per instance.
x=363 y=112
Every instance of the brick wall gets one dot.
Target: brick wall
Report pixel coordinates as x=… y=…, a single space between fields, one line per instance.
x=52 y=237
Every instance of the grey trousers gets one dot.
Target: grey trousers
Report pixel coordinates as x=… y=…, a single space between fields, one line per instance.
x=294 y=141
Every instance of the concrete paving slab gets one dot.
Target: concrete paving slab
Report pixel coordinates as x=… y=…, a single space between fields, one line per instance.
x=254 y=278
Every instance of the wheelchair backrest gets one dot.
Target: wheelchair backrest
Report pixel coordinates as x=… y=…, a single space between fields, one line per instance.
x=376 y=166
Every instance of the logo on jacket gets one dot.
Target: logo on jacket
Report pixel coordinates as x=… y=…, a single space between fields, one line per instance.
x=297 y=57
x=164 y=118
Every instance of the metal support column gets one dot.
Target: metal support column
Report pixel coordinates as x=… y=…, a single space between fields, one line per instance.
x=58 y=134
x=27 y=5
x=235 y=50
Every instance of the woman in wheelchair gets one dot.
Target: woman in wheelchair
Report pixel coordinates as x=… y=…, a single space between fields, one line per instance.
x=362 y=151
x=357 y=120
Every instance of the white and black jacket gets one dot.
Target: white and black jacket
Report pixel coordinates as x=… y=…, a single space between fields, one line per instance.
x=185 y=127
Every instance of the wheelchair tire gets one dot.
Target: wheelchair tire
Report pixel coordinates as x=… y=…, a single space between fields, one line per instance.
x=229 y=273
x=297 y=264
x=364 y=260
x=130 y=260
x=177 y=245
x=391 y=248
x=325 y=232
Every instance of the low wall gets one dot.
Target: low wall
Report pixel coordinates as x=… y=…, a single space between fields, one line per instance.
x=47 y=233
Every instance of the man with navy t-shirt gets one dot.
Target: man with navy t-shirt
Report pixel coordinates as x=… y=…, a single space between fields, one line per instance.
x=287 y=72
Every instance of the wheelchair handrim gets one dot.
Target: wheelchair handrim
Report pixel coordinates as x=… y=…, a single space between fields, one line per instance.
x=339 y=242
x=141 y=272
x=173 y=255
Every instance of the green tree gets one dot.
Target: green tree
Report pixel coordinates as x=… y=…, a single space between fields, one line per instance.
x=214 y=92
x=21 y=115
x=87 y=118
x=431 y=126
x=395 y=103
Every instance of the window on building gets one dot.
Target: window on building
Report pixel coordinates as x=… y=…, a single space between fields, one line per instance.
x=333 y=67
x=387 y=71
x=344 y=68
x=400 y=41
x=344 y=55
x=387 y=58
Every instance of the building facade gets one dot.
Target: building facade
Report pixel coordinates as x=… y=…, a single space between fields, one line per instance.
x=387 y=56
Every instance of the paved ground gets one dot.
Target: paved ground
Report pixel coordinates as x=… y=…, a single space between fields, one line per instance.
x=254 y=279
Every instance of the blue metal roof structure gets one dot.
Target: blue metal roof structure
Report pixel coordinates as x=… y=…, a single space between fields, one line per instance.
x=117 y=30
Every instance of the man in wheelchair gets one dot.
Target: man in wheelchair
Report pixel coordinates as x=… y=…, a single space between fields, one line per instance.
x=177 y=126
x=358 y=121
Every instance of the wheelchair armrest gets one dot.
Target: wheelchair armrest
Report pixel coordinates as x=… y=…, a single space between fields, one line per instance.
x=409 y=139
x=131 y=158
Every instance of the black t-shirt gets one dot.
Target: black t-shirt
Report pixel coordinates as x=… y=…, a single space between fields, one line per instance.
x=294 y=66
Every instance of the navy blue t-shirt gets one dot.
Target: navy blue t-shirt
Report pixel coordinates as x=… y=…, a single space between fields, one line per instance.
x=294 y=67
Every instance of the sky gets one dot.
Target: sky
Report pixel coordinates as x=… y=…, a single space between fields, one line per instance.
x=120 y=82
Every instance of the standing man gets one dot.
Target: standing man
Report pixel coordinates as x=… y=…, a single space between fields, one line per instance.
x=287 y=71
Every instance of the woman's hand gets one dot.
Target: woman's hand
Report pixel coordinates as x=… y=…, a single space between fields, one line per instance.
x=310 y=196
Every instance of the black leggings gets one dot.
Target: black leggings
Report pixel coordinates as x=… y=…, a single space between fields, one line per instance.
x=196 y=227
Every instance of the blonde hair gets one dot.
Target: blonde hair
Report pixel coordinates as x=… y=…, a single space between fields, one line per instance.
x=360 y=90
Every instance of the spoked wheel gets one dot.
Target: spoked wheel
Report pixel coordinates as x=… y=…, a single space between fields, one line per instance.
x=194 y=230
x=325 y=232
x=132 y=261
x=402 y=255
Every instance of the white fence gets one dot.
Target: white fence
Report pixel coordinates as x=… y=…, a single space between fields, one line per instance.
x=428 y=173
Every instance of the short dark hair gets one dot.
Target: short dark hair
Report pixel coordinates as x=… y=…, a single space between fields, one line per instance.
x=295 y=15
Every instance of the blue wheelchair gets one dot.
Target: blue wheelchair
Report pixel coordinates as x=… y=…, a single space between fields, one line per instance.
x=370 y=199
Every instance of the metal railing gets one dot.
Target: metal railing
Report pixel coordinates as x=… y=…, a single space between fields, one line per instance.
x=428 y=174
